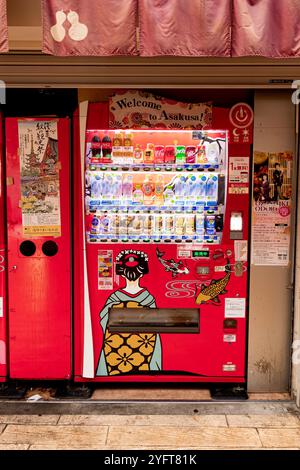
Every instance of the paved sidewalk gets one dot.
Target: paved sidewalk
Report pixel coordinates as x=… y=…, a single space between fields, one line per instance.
x=247 y=425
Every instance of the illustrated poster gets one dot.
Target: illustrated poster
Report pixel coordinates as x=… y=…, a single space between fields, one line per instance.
x=39 y=171
x=271 y=208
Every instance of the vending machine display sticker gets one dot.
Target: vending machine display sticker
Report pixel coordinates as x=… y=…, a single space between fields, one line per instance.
x=238 y=175
x=1 y=307
x=240 y=250
x=235 y=308
x=105 y=269
x=271 y=208
x=39 y=178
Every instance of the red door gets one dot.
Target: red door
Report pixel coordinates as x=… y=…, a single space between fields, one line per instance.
x=3 y=347
x=39 y=274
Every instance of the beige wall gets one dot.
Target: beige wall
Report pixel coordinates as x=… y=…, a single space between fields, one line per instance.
x=270 y=316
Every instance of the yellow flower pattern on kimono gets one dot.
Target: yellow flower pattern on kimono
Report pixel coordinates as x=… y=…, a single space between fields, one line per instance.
x=128 y=353
x=143 y=342
x=125 y=359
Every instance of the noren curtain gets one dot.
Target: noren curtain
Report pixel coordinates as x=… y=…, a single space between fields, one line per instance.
x=184 y=27
x=223 y=28
x=3 y=27
x=89 y=27
x=269 y=28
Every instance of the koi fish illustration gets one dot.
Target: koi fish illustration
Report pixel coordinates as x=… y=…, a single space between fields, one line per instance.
x=170 y=265
x=214 y=289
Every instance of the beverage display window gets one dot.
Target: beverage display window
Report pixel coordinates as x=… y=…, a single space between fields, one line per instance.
x=155 y=186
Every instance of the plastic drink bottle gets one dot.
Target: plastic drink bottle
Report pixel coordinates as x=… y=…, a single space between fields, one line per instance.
x=138 y=154
x=148 y=190
x=212 y=188
x=137 y=194
x=149 y=154
x=106 y=149
x=212 y=152
x=201 y=155
x=96 y=186
x=127 y=188
x=159 y=191
x=96 y=146
x=169 y=197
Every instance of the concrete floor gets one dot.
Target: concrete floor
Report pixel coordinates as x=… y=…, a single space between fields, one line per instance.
x=262 y=422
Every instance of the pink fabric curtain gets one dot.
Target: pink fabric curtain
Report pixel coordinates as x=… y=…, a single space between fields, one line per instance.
x=269 y=28
x=185 y=27
x=3 y=27
x=89 y=27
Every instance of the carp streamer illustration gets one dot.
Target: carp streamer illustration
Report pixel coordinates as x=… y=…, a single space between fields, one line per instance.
x=172 y=266
x=211 y=292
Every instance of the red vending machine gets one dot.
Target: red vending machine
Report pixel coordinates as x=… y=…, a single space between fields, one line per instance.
x=39 y=247
x=162 y=272
x=3 y=340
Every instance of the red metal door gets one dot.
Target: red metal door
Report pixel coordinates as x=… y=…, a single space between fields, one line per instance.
x=39 y=278
x=3 y=347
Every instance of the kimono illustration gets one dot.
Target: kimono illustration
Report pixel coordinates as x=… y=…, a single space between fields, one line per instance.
x=129 y=352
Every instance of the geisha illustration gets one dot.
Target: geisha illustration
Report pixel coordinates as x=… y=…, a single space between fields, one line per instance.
x=129 y=353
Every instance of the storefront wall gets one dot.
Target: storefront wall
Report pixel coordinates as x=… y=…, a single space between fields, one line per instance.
x=271 y=288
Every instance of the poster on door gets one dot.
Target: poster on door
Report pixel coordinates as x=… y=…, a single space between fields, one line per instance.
x=39 y=178
x=271 y=208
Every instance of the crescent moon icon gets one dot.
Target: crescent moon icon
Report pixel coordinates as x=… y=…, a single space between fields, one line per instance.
x=235 y=132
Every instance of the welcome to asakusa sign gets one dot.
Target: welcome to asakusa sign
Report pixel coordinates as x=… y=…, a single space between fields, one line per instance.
x=137 y=109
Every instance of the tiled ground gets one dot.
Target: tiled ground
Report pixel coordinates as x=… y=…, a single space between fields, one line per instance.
x=150 y=418
x=269 y=430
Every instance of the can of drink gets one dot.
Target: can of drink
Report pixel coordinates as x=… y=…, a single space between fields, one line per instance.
x=200 y=223
x=169 y=154
x=123 y=224
x=159 y=153
x=210 y=225
x=114 y=224
x=190 y=224
x=168 y=228
x=104 y=221
x=180 y=154
x=179 y=223
x=148 y=224
x=190 y=154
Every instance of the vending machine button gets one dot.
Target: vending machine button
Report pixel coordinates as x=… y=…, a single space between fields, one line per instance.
x=229 y=323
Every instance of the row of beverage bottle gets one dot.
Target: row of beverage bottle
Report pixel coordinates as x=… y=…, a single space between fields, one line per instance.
x=150 y=189
x=157 y=225
x=122 y=150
